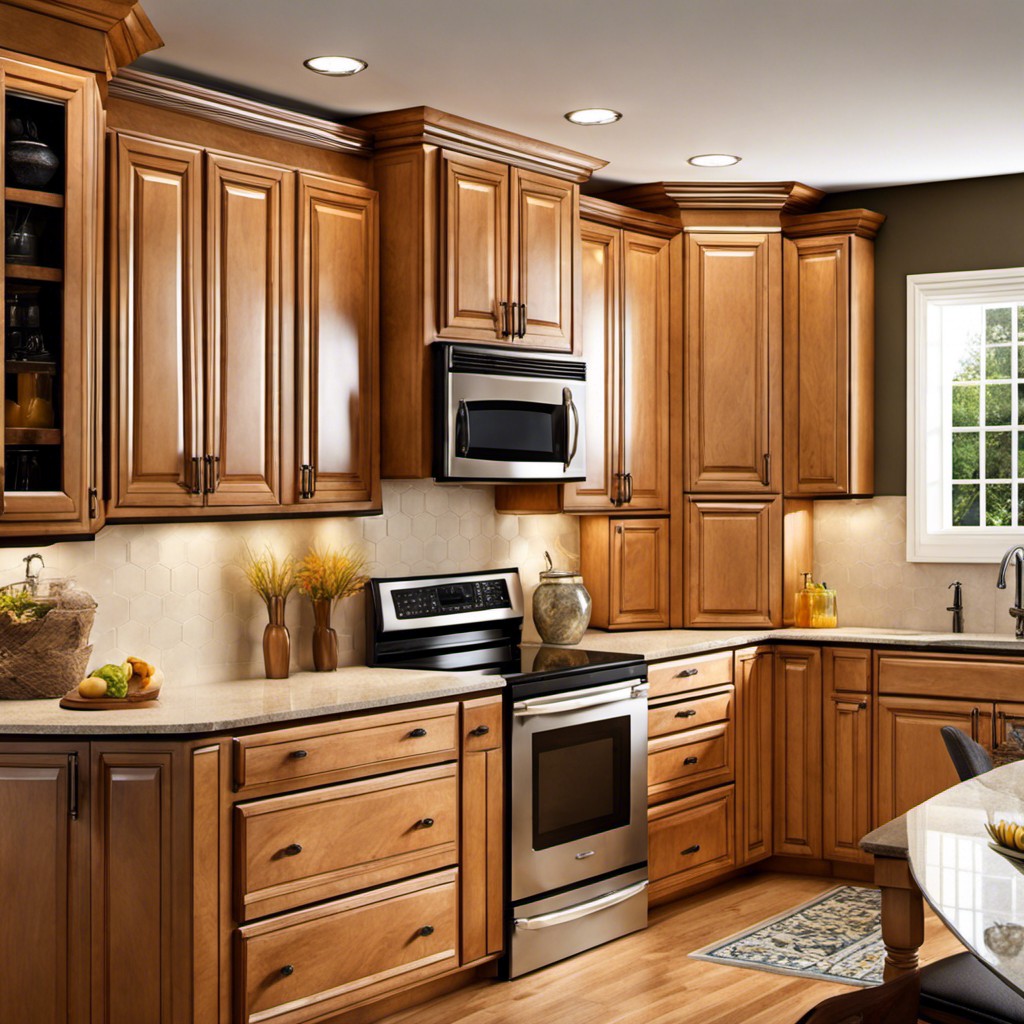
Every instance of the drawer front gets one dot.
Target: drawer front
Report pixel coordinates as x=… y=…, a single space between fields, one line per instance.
x=695 y=759
x=685 y=674
x=690 y=839
x=349 y=748
x=311 y=963
x=317 y=844
x=950 y=676
x=690 y=712
x=481 y=724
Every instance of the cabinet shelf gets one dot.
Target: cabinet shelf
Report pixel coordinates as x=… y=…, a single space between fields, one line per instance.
x=28 y=272
x=29 y=366
x=32 y=435
x=34 y=197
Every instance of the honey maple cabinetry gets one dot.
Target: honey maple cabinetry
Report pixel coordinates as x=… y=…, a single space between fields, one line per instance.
x=829 y=353
x=754 y=771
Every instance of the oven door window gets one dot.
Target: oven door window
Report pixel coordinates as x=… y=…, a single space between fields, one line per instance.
x=581 y=781
x=505 y=430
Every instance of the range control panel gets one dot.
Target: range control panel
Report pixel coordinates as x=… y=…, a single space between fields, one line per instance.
x=451 y=598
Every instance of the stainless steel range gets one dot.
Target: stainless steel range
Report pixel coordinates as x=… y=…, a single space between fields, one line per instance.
x=576 y=757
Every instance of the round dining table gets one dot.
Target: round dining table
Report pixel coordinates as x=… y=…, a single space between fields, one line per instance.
x=975 y=889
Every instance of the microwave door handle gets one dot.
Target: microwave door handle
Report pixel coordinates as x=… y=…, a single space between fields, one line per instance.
x=462 y=430
x=580 y=909
x=525 y=709
x=570 y=444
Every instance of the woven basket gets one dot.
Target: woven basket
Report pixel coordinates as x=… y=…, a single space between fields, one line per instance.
x=47 y=657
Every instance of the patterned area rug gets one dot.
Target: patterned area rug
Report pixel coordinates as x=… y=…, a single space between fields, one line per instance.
x=835 y=937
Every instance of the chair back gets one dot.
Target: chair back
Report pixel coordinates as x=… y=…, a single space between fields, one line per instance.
x=895 y=1002
x=968 y=757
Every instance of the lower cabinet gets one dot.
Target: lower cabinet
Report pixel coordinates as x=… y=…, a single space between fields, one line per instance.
x=754 y=723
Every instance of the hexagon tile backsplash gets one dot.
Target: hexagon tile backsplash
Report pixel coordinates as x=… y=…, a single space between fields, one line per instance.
x=173 y=593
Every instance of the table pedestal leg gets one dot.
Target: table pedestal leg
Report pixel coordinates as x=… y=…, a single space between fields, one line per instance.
x=902 y=916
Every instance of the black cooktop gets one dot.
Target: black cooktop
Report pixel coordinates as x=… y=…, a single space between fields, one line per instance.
x=549 y=669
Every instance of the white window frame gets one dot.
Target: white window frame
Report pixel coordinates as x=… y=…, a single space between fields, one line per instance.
x=927 y=465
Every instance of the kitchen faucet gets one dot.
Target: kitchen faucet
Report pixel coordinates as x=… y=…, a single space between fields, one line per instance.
x=1017 y=609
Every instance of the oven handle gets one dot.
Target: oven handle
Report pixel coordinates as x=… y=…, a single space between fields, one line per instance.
x=525 y=708
x=580 y=909
x=462 y=430
x=570 y=446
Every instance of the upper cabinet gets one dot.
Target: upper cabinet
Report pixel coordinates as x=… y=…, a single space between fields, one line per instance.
x=51 y=187
x=829 y=353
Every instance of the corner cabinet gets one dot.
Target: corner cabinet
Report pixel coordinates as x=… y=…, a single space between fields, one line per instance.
x=53 y=239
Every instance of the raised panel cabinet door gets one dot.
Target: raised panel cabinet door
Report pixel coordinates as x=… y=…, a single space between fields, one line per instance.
x=639 y=574
x=733 y=362
x=601 y=338
x=732 y=561
x=44 y=885
x=338 y=383
x=1009 y=717
x=157 y=341
x=249 y=245
x=754 y=722
x=541 y=264
x=475 y=247
x=645 y=383
x=912 y=763
x=797 y=752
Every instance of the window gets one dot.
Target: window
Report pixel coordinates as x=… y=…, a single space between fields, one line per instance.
x=965 y=415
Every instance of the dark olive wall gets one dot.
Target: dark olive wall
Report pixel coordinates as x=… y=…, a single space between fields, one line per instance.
x=973 y=224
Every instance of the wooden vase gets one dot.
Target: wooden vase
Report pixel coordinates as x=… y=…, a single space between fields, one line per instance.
x=277 y=644
x=325 y=639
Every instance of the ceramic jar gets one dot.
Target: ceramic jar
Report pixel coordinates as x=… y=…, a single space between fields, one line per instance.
x=30 y=162
x=561 y=606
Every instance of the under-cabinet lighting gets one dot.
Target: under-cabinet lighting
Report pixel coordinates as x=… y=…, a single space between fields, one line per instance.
x=593 y=115
x=714 y=160
x=338 y=66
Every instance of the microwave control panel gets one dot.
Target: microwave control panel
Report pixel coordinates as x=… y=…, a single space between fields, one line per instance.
x=451 y=598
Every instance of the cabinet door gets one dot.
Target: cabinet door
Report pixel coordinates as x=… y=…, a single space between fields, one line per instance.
x=601 y=334
x=540 y=243
x=733 y=362
x=44 y=885
x=912 y=762
x=639 y=574
x=754 y=718
x=846 y=807
x=798 y=751
x=338 y=378
x=157 y=341
x=474 y=261
x=249 y=239
x=644 y=388
x=732 y=561
x=1009 y=717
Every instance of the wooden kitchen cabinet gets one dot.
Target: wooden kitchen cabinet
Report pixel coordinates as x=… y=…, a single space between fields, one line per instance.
x=798 y=752
x=1007 y=718
x=732 y=561
x=626 y=564
x=49 y=459
x=733 y=362
x=847 y=777
x=829 y=353
x=754 y=768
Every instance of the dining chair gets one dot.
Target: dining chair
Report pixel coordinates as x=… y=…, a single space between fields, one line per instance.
x=969 y=757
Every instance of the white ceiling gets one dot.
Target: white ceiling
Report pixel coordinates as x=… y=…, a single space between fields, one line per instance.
x=833 y=93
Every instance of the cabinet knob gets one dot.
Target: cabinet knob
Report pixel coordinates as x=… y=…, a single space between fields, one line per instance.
x=480 y=730
x=286 y=970
x=293 y=849
x=417 y=733
x=299 y=754
x=424 y=823
x=427 y=929
x=689 y=760
x=689 y=850
x=688 y=713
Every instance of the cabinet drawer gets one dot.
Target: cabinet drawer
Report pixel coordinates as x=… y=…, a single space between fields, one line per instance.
x=481 y=724
x=316 y=962
x=689 y=839
x=320 y=843
x=690 y=712
x=685 y=761
x=949 y=676
x=348 y=748
x=685 y=674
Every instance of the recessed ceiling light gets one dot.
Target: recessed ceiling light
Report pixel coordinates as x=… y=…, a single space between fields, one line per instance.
x=593 y=115
x=338 y=66
x=714 y=160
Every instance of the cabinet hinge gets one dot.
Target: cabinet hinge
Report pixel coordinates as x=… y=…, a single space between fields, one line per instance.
x=73 y=786
x=94 y=503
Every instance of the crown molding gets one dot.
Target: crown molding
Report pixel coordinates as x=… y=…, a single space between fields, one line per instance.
x=427 y=126
x=615 y=215
x=773 y=196
x=238 y=112
x=862 y=223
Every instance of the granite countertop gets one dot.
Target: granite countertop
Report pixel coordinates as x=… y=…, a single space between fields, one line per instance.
x=193 y=708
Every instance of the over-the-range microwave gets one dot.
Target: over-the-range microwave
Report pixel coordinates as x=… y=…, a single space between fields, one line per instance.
x=508 y=415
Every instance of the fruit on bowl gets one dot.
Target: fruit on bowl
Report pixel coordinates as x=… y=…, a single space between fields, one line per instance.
x=1007 y=834
x=118 y=681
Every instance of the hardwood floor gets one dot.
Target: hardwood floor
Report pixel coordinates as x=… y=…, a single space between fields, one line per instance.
x=648 y=978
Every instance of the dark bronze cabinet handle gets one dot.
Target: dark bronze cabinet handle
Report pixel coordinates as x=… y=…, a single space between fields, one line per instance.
x=688 y=713
x=686 y=673
x=424 y=823
x=629 y=488
x=287 y=969
x=689 y=850
x=503 y=306
x=480 y=730
x=417 y=733
x=293 y=849
x=427 y=929
x=522 y=320
x=690 y=760
x=298 y=754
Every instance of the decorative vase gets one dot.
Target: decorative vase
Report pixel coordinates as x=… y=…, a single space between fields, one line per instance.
x=561 y=606
x=30 y=162
x=325 y=639
x=277 y=644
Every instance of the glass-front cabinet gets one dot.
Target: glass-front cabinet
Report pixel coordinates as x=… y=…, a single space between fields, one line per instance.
x=52 y=130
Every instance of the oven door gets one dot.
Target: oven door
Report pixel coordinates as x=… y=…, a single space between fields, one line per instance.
x=578 y=786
